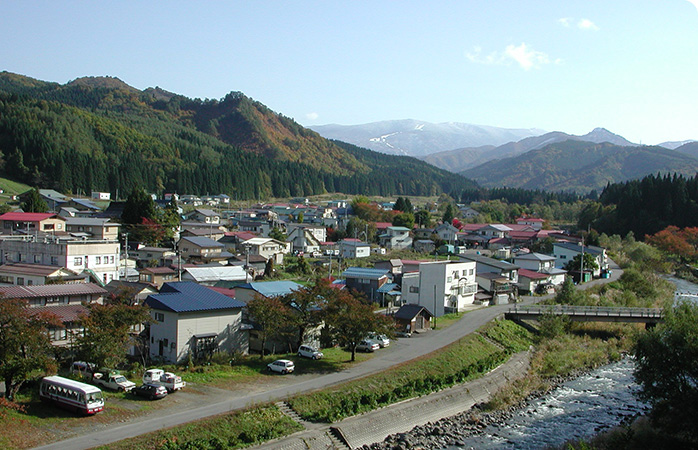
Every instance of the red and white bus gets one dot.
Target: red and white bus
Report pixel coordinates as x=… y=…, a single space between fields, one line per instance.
x=71 y=394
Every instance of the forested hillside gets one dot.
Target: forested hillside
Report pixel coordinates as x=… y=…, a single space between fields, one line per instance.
x=644 y=206
x=101 y=134
x=581 y=166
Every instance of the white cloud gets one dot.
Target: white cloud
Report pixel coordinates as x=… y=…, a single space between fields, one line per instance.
x=522 y=54
x=693 y=2
x=586 y=24
x=312 y=116
x=526 y=57
x=564 y=21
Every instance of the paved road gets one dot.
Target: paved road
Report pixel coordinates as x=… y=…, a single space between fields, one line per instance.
x=401 y=351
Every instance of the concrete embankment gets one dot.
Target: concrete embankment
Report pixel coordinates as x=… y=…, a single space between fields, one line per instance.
x=375 y=426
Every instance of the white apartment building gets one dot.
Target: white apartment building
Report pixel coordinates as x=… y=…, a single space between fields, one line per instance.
x=99 y=256
x=441 y=286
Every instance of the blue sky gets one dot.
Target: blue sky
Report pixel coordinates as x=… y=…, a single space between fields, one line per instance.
x=628 y=66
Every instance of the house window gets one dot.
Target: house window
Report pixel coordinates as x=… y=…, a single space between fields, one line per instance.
x=111 y=260
x=563 y=256
x=160 y=317
x=414 y=289
x=98 y=260
x=450 y=279
x=77 y=261
x=29 y=282
x=37 y=259
x=54 y=261
x=20 y=281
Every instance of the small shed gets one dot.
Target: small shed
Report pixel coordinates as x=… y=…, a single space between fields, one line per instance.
x=412 y=318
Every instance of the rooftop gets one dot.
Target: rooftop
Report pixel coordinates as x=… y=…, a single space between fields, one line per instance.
x=48 y=290
x=187 y=296
x=272 y=288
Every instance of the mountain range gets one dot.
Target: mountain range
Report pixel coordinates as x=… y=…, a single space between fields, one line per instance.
x=580 y=166
x=99 y=133
x=419 y=138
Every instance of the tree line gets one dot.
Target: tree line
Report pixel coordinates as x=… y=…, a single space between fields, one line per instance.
x=644 y=207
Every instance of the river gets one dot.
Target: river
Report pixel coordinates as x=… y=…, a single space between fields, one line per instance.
x=577 y=409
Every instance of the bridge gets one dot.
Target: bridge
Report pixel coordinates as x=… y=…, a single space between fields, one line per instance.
x=648 y=316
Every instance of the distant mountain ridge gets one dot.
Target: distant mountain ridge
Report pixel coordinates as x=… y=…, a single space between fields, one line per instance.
x=581 y=166
x=419 y=138
x=99 y=133
x=463 y=159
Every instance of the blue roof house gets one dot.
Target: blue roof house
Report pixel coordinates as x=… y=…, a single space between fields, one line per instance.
x=193 y=321
x=367 y=281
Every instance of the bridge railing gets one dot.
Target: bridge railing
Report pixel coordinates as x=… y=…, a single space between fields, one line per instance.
x=598 y=311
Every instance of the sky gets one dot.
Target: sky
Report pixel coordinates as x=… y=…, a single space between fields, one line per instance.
x=559 y=65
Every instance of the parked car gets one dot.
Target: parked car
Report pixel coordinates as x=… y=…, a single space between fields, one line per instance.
x=367 y=346
x=382 y=339
x=282 y=366
x=112 y=379
x=161 y=378
x=307 y=351
x=151 y=391
x=83 y=368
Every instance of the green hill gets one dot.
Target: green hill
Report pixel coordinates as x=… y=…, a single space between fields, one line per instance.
x=98 y=133
x=580 y=166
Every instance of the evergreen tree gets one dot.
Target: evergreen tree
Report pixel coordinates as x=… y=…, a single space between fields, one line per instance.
x=34 y=203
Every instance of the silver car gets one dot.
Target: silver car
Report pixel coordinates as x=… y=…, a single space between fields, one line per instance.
x=367 y=346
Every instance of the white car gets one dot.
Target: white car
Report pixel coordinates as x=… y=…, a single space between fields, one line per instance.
x=382 y=339
x=282 y=366
x=307 y=351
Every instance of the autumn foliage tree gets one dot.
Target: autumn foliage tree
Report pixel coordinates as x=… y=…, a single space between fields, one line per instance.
x=108 y=330
x=682 y=243
x=270 y=316
x=25 y=348
x=349 y=320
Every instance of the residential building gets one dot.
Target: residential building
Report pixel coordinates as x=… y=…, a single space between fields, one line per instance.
x=367 y=281
x=28 y=223
x=66 y=301
x=353 y=248
x=199 y=248
x=396 y=238
x=98 y=256
x=194 y=321
x=157 y=276
x=302 y=239
x=534 y=222
x=267 y=248
x=564 y=252
x=441 y=286
x=138 y=291
x=35 y=274
x=92 y=228
x=490 y=265
x=446 y=232
x=544 y=264
x=206 y=216
x=153 y=256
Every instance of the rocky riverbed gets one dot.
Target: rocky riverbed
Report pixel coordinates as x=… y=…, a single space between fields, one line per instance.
x=579 y=407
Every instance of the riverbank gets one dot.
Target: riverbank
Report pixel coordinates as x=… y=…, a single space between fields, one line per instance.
x=398 y=419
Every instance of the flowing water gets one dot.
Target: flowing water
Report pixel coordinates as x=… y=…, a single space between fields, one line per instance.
x=578 y=409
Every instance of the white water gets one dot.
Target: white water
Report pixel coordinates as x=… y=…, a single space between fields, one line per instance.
x=577 y=409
